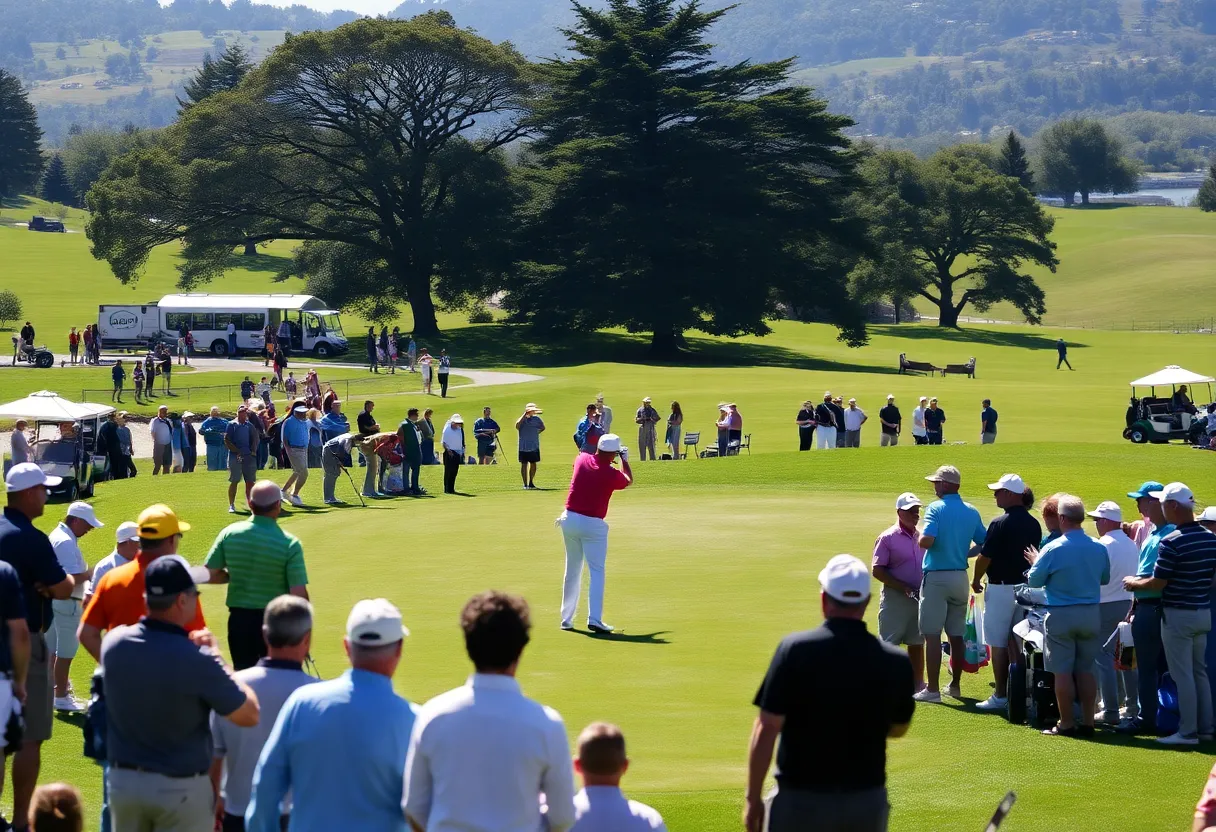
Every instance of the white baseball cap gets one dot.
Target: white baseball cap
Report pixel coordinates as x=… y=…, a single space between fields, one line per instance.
x=846 y=579
x=907 y=500
x=126 y=531
x=25 y=475
x=1108 y=510
x=1175 y=492
x=84 y=511
x=1009 y=482
x=1208 y=515
x=375 y=622
x=890 y=397
x=610 y=442
x=189 y=414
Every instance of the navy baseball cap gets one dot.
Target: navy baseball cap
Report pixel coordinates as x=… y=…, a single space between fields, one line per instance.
x=171 y=575
x=1145 y=489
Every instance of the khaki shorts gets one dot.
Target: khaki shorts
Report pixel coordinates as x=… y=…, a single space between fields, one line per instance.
x=1001 y=612
x=889 y=439
x=298 y=457
x=246 y=468
x=40 y=693
x=943 y=603
x=898 y=618
x=1073 y=638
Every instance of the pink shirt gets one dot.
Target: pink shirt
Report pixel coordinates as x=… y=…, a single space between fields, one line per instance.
x=1206 y=810
x=896 y=550
x=592 y=485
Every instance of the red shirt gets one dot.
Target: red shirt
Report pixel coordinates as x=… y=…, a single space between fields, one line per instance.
x=592 y=485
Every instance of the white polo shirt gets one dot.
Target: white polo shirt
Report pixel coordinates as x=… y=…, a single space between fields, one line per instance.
x=918 y=421
x=481 y=757
x=161 y=430
x=67 y=550
x=606 y=809
x=1124 y=558
x=853 y=417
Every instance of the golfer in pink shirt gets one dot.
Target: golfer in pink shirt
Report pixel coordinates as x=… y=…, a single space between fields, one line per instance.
x=897 y=566
x=584 y=529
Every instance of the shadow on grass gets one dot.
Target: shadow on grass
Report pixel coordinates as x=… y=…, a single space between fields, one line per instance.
x=638 y=638
x=518 y=345
x=260 y=262
x=987 y=337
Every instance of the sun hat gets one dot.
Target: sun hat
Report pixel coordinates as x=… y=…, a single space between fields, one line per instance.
x=126 y=531
x=188 y=414
x=946 y=473
x=25 y=475
x=907 y=500
x=531 y=406
x=1108 y=510
x=610 y=442
x=83 y=511
x=1009 y=482
x=1175 y=492
x=846 y=579
x=456 y=419
x=375 y=622
x=1145 y=489
x=159 y=521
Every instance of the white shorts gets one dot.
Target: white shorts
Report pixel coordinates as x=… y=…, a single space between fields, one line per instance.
x=1001 y=612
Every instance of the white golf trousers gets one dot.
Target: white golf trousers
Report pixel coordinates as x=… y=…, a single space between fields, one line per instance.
x=586 y=539
x=826 y=437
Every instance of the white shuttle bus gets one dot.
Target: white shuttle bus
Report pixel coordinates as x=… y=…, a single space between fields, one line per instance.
x=315 y=328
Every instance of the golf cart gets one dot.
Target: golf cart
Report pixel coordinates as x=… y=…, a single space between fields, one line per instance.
x=65 y=440
x=34 y=356
x=1032 y=695
x=1158 y=419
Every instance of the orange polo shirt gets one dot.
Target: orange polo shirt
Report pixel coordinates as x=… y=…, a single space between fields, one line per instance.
x=118 y=600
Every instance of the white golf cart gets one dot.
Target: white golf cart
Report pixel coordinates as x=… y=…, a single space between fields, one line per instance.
x=1159 y=419
x=65 y=440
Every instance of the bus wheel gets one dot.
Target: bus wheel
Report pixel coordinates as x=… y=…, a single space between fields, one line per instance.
x=219 y=348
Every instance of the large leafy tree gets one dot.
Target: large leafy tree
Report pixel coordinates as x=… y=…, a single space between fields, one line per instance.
x=679 y=194
x=217 y=75
x=1081 y=155
x=55 y=185
x=1013 y=162
x=368 y=142
x=1206 y=198
x=955 y=232
x=20 y=138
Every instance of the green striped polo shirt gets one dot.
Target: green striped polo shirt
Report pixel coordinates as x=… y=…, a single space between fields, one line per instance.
x=262 y=560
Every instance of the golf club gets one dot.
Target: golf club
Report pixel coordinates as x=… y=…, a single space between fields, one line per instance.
x=1002 y=811
x=351 y=479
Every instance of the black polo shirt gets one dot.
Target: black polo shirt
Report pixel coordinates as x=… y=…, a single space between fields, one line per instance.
x=825 y=415
x=366 y=423
x=12 y=607
x=840 y=690
x=890 y=413
x=838 y=413
x=803 y=416
x=934 y=419
x=29 y=551
x=1005 y=545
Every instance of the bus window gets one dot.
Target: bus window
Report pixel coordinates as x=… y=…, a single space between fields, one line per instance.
x=313 y=326
x=252 y=321
x=222 y=319
x=174 y=320
x=205 y=321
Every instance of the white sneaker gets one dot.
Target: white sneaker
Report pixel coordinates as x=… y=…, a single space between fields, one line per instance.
x=296 y=501
x=599 y=627
x=993 y=703
x=955 y=692
x=927 y=695
x=1178 y=739
x=232 y=510
x=1107 y=718
x=68 y=705
x=567 y=625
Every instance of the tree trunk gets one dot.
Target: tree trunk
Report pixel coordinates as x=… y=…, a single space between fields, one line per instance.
x=947 y=315
x=422 y=305
x=665 y=342
x=251 y=249
x=1085 y=197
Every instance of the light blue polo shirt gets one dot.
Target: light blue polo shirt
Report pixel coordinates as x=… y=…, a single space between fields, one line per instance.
x=1072 y=568
x=1148 y=559
x=954 y=525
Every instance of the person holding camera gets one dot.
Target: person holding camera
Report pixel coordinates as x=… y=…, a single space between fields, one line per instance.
x=584 y=530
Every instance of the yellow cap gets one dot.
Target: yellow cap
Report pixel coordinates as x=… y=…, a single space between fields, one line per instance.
x=158 y=522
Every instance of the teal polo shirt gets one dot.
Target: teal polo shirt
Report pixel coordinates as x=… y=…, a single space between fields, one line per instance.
x=954 y=525
x=1148 y=559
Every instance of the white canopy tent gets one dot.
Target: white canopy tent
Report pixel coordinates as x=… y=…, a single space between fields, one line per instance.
x=1172 y=375
x=45 y=406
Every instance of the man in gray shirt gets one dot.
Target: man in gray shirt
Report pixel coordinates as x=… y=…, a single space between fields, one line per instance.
x=161 y=686
x=530 y=427
x=20 y=443
x=288 y=633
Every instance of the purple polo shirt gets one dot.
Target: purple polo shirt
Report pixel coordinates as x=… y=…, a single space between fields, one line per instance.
x=896 y=549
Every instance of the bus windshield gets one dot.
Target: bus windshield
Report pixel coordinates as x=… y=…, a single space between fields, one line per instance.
x=325 y=324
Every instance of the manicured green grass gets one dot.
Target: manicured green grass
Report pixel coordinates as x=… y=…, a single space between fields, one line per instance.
x=712 y=562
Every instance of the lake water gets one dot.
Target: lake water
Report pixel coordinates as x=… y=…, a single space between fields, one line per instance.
x=1178 y=196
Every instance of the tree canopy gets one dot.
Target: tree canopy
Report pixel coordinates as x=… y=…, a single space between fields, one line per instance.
x=20 y=139
x=954 y=232
x=1081 y=155
x=1206 y=198
x=677 y=193
x=379 y=141
x=219 y=75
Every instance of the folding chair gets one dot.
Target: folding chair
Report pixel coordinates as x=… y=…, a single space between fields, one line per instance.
x=693 y=440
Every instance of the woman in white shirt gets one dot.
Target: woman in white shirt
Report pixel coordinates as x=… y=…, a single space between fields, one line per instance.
x=453 y=446
x=919 y=435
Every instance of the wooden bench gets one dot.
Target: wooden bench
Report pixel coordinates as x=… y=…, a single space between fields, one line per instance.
x=967 y=369
x=906 y=366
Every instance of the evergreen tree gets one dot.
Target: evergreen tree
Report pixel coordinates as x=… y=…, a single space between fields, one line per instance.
x=1013 y=161
x=1206 y=199
x=217 y=75
x=20 y=138
x=55 y=184
x=679 y=194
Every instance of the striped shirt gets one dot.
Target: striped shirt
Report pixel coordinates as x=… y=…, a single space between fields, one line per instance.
x=1187 y=559
x=262 y=560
